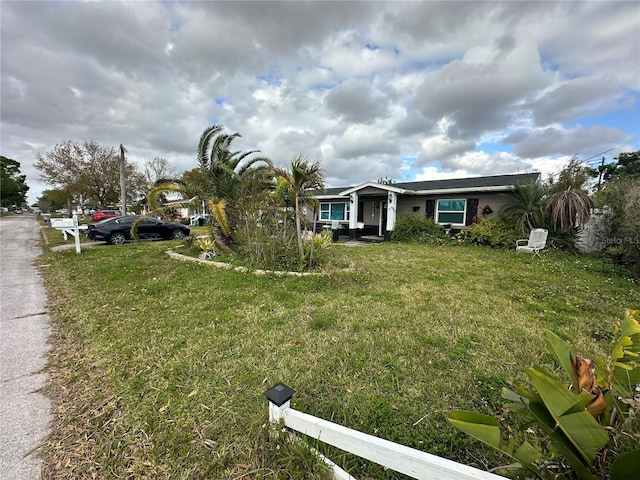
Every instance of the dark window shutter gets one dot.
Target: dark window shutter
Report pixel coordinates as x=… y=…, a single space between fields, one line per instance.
x=430 y=209
x=360 y=212
x=472 y=210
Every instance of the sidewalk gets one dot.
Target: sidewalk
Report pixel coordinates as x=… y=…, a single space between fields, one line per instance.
x=25 y=413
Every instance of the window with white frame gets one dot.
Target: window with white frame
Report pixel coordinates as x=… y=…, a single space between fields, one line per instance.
x=334 y=211
x=451 y=211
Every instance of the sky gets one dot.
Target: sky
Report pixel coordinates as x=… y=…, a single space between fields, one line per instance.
x=400 y=90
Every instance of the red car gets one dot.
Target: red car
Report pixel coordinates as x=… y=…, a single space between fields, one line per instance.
x=102 y=214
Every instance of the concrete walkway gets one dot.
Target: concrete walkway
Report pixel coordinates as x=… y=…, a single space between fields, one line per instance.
x=25 y=413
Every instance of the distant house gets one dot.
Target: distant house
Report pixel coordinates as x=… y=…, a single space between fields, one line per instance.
x=373 y=209
x=184 y=208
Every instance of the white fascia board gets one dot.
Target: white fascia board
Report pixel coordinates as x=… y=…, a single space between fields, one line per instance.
x=444 y=191
x=331 y=197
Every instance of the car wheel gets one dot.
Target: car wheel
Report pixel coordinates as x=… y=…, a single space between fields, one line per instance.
x=177 y=234
x=117 y=238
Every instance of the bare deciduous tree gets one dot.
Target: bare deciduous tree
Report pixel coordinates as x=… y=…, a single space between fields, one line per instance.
x=158 y=170
x=90 y=171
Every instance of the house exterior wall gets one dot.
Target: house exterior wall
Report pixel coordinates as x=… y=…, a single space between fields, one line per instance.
x=497 y=201
x=408 y=204
x=377 y=207
x=371 y=200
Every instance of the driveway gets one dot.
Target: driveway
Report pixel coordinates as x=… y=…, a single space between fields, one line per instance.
x=25 y=413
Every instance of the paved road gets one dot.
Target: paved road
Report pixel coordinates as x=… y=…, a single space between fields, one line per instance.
x=24 y=329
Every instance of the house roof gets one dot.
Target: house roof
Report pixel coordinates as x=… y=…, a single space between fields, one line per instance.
x=453 y=185
x=179 y=201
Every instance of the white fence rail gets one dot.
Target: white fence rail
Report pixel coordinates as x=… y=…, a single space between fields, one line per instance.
x=402 y=459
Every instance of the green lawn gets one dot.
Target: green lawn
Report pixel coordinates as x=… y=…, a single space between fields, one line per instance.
x=159 y=365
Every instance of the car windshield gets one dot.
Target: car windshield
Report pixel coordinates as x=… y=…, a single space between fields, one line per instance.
x=127 y=219
x=106 y=220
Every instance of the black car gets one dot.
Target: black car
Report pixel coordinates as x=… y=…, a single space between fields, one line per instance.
x=118 y=230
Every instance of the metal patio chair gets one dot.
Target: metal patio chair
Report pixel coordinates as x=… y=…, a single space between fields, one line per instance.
x=535 y=243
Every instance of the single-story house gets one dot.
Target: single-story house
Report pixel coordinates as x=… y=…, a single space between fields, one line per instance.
x=373 y=209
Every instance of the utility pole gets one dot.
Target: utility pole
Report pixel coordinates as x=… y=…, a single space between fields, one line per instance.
x=123 y=187
x=600 y=173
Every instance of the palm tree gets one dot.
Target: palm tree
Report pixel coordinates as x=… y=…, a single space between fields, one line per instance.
x=154 y=200
x=569 y=209
x=569 y=205
x=221 y=174
x=303 y=176
x=525 y=206
x=223 y=168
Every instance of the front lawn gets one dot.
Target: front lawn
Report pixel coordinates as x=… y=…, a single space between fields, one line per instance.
x=159 y=365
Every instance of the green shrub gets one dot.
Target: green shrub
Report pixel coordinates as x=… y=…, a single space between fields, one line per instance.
x=492 y=232
x=414 y=227
x=565 y=241
x=315 y=249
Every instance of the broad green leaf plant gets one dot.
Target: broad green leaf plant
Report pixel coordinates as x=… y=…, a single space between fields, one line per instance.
x=587 y=430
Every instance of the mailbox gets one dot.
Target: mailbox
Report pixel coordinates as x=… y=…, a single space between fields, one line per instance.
x=64 y=222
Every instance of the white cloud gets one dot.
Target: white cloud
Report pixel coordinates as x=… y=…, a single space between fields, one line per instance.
x=479 y=92
x=360 y=140
x=432 y=173
x=579 y=97
x=356 y=101
x=361 y=85
x=556 y=139
x=357 y=60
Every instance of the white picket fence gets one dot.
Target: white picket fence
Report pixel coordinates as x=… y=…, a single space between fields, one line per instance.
x=402 y=459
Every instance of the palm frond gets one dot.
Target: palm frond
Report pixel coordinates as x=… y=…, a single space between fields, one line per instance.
x=218 y=210
x=569 y=209
x=155 y=192
x=245 y=167
x=204 y=159
x=524 y=209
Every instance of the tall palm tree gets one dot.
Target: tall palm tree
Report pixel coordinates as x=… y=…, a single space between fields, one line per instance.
x=303 y=176
x=222 y=167
x=525 y=207
x=221 y=174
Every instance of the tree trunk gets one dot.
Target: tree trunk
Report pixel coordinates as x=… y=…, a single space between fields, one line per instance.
x=298 y=233
x=123 y=188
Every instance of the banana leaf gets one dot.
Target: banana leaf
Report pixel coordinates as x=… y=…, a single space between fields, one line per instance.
x=578 y=425
x=559 y=441
x=626 y=466
x=486 y=429
x=483 y=427
x=560 y=350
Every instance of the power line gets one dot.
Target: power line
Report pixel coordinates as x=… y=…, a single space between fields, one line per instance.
x=597 y=155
